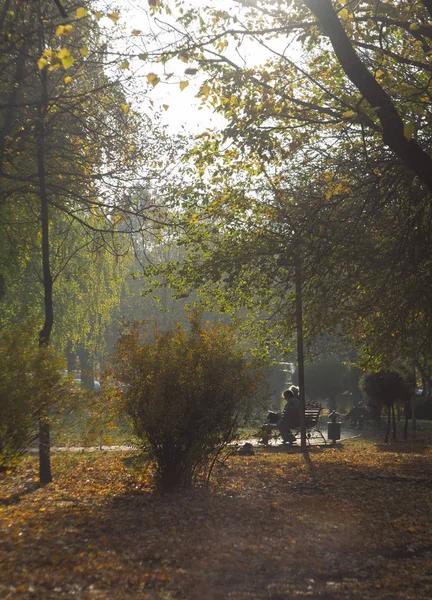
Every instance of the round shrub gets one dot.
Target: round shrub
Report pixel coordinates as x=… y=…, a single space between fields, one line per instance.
x=186 y=392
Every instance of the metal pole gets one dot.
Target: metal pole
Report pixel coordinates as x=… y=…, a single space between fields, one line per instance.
x=300 y=354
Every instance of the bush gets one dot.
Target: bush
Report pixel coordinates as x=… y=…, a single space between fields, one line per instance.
x=186 y=393
x=30 y=383
x=15 y=385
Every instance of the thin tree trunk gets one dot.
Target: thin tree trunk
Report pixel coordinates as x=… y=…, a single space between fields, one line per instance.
x=300 y=353
x=70 y=358
x=413 y=412
x=45 y=333
x=406 y=420
x=394 y=421
x=87 y=370
x=388 y=425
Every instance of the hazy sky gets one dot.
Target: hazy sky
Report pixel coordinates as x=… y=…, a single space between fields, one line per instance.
x=184 y=108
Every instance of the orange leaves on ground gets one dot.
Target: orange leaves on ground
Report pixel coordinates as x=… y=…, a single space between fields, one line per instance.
x=349 y=522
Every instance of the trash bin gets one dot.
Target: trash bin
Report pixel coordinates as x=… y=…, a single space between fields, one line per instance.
x=334 y=427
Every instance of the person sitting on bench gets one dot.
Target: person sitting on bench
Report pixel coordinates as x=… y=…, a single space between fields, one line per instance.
x=290 y=415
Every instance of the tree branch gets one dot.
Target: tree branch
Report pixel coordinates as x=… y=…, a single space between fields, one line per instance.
x=61 y=9
x=410 y=153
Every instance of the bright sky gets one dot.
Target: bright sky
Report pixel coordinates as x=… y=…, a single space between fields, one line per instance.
x=184 y=109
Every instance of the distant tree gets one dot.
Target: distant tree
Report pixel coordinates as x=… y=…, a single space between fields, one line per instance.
x=323 y=380
x=351 y=382
x=386 y=388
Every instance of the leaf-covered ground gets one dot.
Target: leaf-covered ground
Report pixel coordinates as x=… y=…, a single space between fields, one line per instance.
x=347 y=522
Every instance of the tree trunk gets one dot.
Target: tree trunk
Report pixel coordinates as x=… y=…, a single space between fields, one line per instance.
x=300 y=353
x=70 y=358
x=413 y=413
x=406 y=420
x=394 y=421
x=87 y=371
x=388 y=425
x=45 y=333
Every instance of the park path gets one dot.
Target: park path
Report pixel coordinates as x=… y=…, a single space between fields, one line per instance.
x=315 y=440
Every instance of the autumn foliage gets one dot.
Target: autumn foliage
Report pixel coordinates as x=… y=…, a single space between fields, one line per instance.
x=186 y=393
x=30 y=383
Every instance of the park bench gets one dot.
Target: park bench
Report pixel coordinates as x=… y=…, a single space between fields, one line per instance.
x=270 y=430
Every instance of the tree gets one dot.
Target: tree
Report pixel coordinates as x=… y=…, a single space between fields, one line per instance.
x=385 y=388
x=68 y=143
x=329 y=170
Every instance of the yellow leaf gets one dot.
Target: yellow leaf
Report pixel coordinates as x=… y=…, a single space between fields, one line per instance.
x=379 y=74
x=68 y=28
x=84 y=51
x=48 y=52
x=42 y=62
x=408 y=130
x=124 y=108
x=153 y=79
x=166 y=106
x=53 y=66
x=348 y=114
x=67 y=80
x=183 y=85
x=60 y=30
x=142 y=56
x=124 y=65
x=81 y=12
x=98 y=15
x=63 y=53
x=344 y=14
x=136 y=32
x=114 y=16
x=205 y=90
x=68 y=62
x=414 y=27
